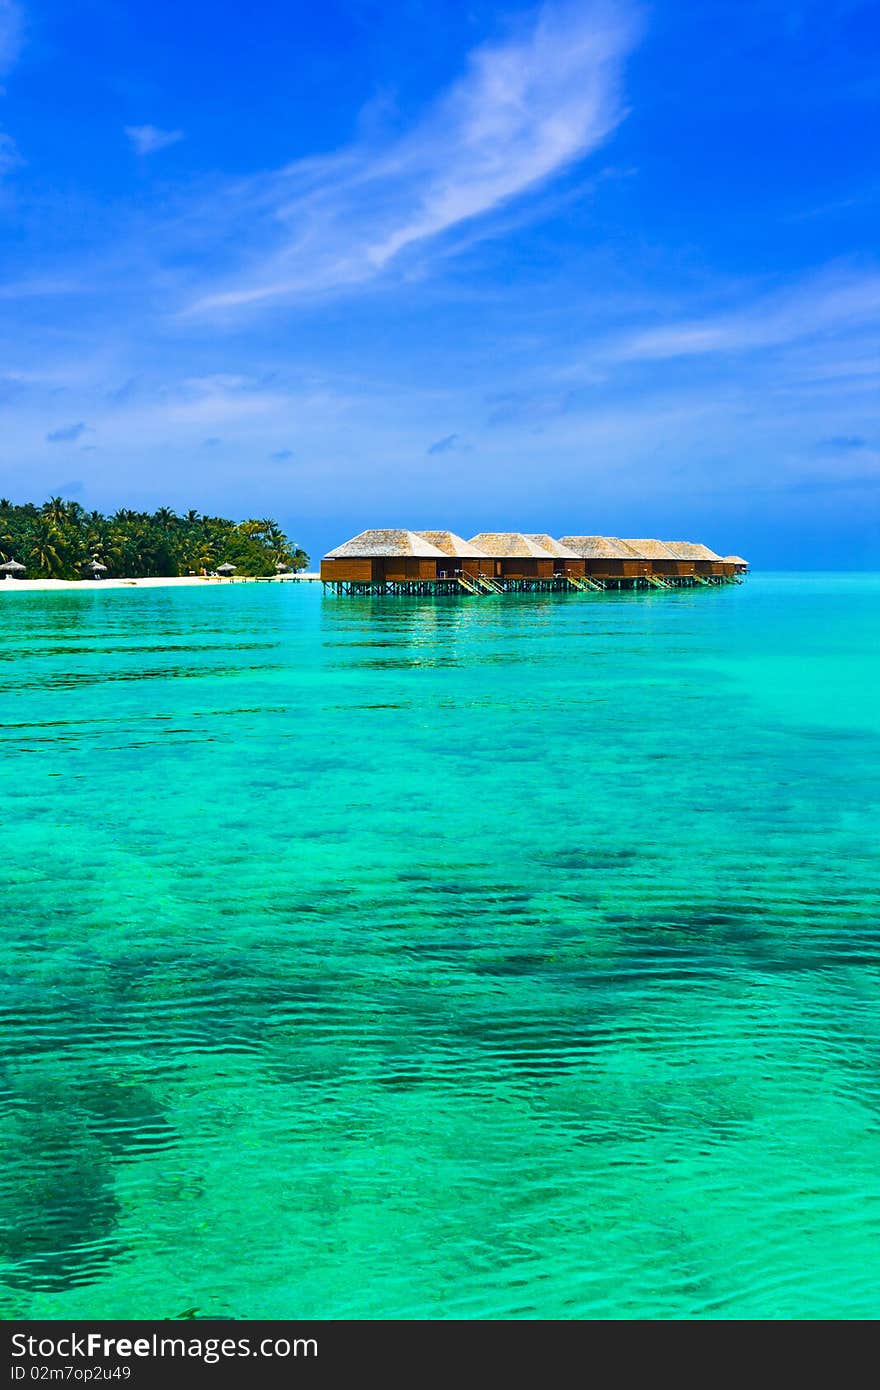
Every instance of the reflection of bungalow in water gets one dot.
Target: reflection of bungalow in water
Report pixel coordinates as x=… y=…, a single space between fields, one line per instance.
x=460 y=557
x=740 y=566
x=655 y=558
x=378 y=558
x=567 y=564
x=517 y=559
x=699 y=560
x=605 y=557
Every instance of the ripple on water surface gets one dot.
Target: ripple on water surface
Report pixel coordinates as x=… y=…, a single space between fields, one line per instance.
x=455 y=958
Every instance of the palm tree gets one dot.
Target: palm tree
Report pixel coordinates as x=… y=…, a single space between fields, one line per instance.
x=58 y=536
x=56 y=510
x=44 y=551
x=273 y=536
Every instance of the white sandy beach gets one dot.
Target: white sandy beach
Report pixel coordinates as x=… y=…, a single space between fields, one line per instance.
x=24 y=586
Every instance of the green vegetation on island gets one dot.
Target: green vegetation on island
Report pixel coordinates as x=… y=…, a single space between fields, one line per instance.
x=59 y=539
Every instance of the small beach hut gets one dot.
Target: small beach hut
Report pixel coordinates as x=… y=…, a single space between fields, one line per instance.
x=226 y=570
x=383 y=557
x=697 y=559
x=740 y=566
x=655 y=556
x=567 y=563
x=462 y=558
x=13 y=569
x=93 y=569
x=605 y=557
x=514 y=555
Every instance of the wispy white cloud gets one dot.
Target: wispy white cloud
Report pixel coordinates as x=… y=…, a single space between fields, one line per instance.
x=826 y=305
x=524 y=110
x=11 y=36
x=147 y=139
x=36 y=287
x=11 y=33
x=9 y=156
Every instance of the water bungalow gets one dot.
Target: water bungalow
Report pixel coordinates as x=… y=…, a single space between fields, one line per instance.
x=436 y=562
x=464 y=562
x=607 y=561
x=656 y=560
x=704 y=563
x=567 y=564
x=519 y=561
x=740 y=566
x=379 y=561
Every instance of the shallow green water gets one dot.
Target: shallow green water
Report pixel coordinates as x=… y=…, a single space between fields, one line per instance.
x=480 y=958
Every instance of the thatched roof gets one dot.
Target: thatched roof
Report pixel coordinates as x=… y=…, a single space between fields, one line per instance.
x=385 y=544
x=12 y=567
x=555 y=547
x=226 y=568
x=690 y=550
x=734 y=560
x=597 y=547
x=451 y=544
x=510 y=545
x=648 y=550
x=95 y=566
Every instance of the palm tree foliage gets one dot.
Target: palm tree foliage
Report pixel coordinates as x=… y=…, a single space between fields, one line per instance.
x=55 y=540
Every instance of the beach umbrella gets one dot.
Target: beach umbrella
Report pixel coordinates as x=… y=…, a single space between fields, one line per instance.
x=95 y=568
x=12 y=567
x=226 y=568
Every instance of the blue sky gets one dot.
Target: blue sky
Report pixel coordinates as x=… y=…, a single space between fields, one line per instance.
x=582 y=267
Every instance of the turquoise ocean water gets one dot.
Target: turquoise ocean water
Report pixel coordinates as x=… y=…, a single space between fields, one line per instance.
x=470 y=958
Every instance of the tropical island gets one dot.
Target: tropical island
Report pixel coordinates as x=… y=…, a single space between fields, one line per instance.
x=62 y=541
